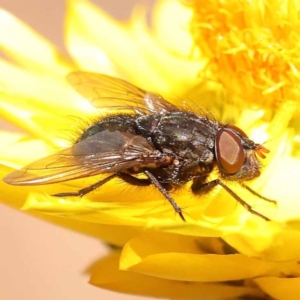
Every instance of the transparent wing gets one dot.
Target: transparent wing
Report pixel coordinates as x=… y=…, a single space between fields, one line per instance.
x=104 y=152
x=106 y=91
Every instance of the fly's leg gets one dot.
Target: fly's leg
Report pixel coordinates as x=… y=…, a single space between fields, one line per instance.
x=154 y=180
x=133 y=180
x=125 y=177
x=199 y=186
x=130 y=180
x=257 y=194
x=84 y=191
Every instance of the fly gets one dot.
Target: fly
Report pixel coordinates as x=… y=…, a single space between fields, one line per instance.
x=149 y=135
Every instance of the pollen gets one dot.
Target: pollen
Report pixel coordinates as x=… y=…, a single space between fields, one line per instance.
x=253 y=46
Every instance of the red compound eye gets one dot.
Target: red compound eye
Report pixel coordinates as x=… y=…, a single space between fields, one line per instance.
x=229 y=150
x=237 y=129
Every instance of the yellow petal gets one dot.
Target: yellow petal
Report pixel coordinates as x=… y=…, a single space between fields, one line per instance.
x=39 y=124
x=17 y=149
x=47 y=93
x=280 y=288
x=171 y=21
x=85 y=27
x=106 y=274
x=168 y=81
x=28 y=48
x=106 y=210
x=283 y=185
x=9 y=194
x=113 y=234
x=170 y=256
x=129 y=46
x=271 y=244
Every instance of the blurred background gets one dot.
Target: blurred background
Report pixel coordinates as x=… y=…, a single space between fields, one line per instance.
x=39 y=260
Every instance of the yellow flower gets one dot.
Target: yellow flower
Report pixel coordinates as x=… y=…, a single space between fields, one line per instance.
x=222 y=251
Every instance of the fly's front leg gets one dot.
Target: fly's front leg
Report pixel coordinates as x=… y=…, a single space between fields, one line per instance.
x=257 y=194
x=199 y=187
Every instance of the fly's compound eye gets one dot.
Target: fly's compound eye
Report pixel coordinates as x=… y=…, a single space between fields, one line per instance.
x=237 y=129
x=229 y=151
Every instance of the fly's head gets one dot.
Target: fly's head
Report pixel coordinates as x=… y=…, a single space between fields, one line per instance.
x=236 y=154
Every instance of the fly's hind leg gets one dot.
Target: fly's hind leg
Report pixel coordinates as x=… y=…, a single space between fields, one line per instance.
x=199 y=187
x=130 y=180
x=124 y=176
x=84 y=191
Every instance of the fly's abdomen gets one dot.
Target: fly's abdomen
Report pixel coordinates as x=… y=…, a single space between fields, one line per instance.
x=123 y=123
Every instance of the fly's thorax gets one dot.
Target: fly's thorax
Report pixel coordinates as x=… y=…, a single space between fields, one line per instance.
x=178 y=131
x=147 y=124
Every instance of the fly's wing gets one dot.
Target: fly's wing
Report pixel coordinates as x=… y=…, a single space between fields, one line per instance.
x=104 y=152
x=106 y=91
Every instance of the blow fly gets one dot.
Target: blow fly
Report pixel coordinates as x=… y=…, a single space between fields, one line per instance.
x=148 y=135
